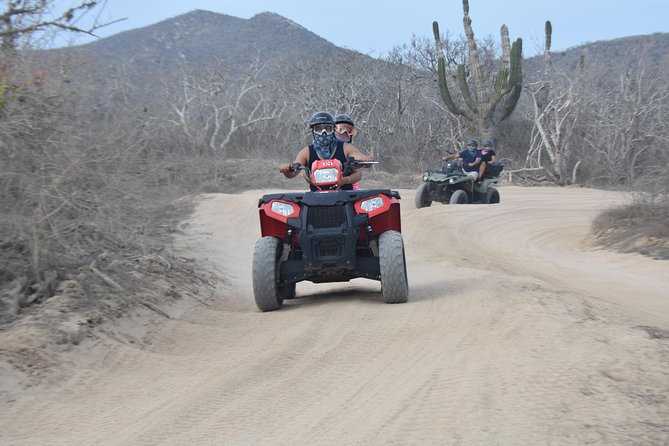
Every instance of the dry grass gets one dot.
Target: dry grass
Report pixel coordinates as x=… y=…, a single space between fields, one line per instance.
x=641 y=227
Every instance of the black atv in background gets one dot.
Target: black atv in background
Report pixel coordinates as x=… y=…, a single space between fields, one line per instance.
x=451 y=185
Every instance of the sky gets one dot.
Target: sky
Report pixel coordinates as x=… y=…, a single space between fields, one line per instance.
x=374 y=27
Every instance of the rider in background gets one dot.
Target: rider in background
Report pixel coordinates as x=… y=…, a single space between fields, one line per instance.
x=470 y=157
x=488 y=156
x=326 y=146
x=344 y=131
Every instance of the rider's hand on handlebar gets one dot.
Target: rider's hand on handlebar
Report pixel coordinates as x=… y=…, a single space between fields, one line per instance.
x=366 y=158
x=285 y=168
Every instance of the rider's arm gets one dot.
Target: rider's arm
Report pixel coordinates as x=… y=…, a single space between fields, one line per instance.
x=476 y=162
x=356 y=175
x=352 y=151
x=301 y=158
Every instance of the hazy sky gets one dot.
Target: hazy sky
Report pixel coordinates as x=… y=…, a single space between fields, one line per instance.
x=375 y=26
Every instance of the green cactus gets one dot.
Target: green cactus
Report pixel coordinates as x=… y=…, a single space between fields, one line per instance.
x=485 y=102
x=547 y=47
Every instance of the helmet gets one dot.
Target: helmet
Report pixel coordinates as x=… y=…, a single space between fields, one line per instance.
x=473 y=143
x=343 y=118
x=321 y=118
x=488 y=143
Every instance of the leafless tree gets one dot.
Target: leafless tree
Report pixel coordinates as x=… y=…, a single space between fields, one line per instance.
x=555 y=100
x=554 y=109
x=211 y=107
x=21 y=19
x=627 y=129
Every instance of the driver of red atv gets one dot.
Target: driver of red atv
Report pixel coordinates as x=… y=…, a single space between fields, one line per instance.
x=327 y=146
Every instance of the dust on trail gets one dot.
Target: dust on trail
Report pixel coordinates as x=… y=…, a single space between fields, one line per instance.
x=516 y=332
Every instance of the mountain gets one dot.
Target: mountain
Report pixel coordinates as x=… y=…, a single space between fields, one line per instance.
x=132 y=69
x=200 y=37
x=620 y=53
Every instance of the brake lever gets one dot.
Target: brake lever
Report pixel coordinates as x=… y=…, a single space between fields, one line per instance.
x=354 y=164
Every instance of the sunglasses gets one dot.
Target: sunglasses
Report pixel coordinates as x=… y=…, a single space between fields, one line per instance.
x=320 y=128
x=345 y=128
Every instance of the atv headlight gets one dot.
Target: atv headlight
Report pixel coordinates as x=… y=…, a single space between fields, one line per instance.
x=424 y=177
x=452 y=180
x=325 y=176
x=371 y=204
x=283 y=208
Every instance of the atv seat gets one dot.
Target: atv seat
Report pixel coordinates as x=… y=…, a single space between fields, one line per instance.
x=493 y=170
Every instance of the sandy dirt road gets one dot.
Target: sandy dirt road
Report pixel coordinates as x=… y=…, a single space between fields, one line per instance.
x=516 y=332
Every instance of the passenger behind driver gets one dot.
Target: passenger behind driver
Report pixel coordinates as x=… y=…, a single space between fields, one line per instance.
x=326 y=146
x=344 y=131
x=488 y=156
x=470 y=158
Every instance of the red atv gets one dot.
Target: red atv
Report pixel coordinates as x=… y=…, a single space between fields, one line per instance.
x=328 y=235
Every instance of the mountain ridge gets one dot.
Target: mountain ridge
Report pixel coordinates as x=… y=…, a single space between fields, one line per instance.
x=199 y=36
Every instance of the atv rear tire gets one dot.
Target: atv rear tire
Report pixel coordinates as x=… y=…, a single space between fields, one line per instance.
x=394 y=283
x=492 y=196
x=266 y=274
x=422 y=197
x=459 y=197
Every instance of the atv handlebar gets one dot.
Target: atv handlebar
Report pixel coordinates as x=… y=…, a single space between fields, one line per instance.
x=356 y=164
x=351 y=163
x=296 y=167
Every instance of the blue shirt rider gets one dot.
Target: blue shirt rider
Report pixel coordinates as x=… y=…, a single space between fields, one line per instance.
x=470 y=157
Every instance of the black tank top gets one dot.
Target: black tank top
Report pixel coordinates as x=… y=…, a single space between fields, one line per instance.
x=338 y=154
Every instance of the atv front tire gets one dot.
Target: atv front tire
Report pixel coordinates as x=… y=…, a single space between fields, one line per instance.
x=266 y=274
x=394 y=283
x=459 y=197
x=422 y=197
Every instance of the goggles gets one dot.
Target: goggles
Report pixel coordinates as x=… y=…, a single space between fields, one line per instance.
x=345 y=128
x=320 y=128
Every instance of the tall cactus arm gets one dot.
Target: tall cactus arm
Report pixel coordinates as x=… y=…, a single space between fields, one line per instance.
x=547 y=47
x=517 y=78
x=516 y=73
x=443 y=89
x=437 y=39
x=511 y=89
x=441 y=71
x=474 y=63
x=509 y=74
x=501 y=82
x=464 y=89
x=510 y=102
x=549 y=33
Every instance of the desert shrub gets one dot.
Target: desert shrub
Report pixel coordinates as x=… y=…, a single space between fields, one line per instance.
x=69 y=190
x=641 y=226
